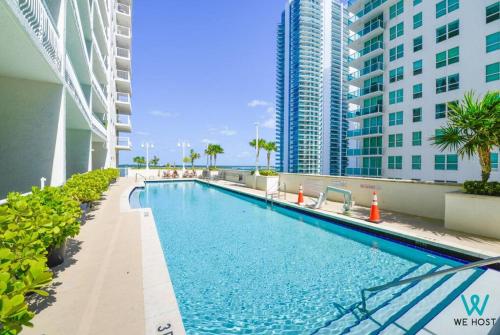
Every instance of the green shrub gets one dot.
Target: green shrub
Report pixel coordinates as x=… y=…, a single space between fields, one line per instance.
x=482 y=188
x=266 y=173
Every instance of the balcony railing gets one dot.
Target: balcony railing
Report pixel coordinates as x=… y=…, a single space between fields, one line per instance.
x=365 y=71
x=74 y=85
x=365 y=131
x=376 y=151
x=123 y=120
x=367 y=9
x=41 y=22
x=122 y=30
x=370 y=172
x=123 y=97
x=365 y=51
x=355 y=36
x=125 y=75
x=364 y=111
x=122 y=8
x=365 y=90
x=122 y=52
x=123 y=142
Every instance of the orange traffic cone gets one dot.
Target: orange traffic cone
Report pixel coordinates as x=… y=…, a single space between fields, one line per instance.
x=300 y=200
x=374 y=212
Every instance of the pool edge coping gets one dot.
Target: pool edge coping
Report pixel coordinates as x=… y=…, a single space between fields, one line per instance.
x=161 y=310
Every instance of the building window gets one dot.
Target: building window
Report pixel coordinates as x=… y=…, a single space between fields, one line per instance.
x=395 y=96
x=440 y=111
x=416 y=138
x=447 y=57
x=449 y=83
x=395 y=118
x=417 y=67
x=446 y=6
x=417 y=91
x=395 y=162
x=396 y=52
x=492 y=72
x=446 y=162
x=417 y=114
x=438 y=133
x=447 y=31
x=494 y=161
x=416 y=162
x=417 y=20
x=395 y=140
x=396 y=31
x=396 y=74
x=417 y=44
x=396 y=9
x=493 y=12
x=416 y=2
x=493 y=42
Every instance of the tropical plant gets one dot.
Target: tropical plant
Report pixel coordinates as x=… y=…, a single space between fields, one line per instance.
x=473 y=127
x=270 y=147
x=139 y=160
x=186 y=160
x=154 y=161
x=208 y=153
x=193 y=155
x=216 y=150
x=260 y=145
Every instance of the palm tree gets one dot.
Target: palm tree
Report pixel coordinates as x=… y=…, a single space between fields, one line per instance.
x=208 y=152
x=139 y=160
x=261 y=145
x=154 y=161
x=193 y=156
x=473 y=128
x=216 y=150
x=270 y=147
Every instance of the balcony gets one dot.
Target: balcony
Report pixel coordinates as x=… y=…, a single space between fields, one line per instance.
x=361 y=15
x=123 y=12
x=366 y=131
x=123 y=35
x=123 y=81
x=99 y=126
x=74 y=86
x=123 y=105
x=356 y=40
x=123 y=123
x=357 y=78
x=365 y=111
x=365 y=93
x=365 y=152
x=357 y=59
x=364 y=172
x=43 y=28
x=123 y=143
x=123 y=58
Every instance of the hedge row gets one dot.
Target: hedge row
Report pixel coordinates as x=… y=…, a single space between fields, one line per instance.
x=482 y=188
x=31 y=225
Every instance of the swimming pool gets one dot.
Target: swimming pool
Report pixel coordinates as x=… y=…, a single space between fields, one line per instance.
x=238 y=266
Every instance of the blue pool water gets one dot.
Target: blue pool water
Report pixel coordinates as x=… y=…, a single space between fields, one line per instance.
x=239 y=267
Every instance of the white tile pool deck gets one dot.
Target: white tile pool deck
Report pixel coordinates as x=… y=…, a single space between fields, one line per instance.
x=111 y=283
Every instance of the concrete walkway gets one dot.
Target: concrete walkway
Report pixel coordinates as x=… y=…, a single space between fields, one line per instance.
x=99 y=288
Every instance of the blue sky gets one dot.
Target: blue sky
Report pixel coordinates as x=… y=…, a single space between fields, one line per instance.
x=203 y=70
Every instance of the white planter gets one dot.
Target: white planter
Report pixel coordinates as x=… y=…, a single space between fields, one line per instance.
x=210 y=174
x=475 y=214
x=263 y=183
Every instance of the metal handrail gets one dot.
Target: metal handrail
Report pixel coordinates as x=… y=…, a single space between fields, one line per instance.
x=477 y=264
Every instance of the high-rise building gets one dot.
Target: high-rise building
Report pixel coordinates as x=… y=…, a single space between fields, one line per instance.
x=64 y=88
x=311 y=122
x=407 y=60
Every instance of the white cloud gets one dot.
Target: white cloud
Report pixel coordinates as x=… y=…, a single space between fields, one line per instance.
x=208 y=141
x=270 y=121
x=160 y=113
x=141 y=133
x=256 y=103
x=227 y=132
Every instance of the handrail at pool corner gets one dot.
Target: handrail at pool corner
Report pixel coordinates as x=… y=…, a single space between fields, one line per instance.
x=472 y=265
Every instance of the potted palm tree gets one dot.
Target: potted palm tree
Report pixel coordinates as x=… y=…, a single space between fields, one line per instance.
x=193 y=155
x=473 y=128
x=266 y=179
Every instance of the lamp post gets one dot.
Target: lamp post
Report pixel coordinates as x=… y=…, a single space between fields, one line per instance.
x=148 y=146
x=183 y=145
x=257 y=149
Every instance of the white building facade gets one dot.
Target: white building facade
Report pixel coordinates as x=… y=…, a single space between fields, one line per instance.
x=65 y=88
x=311 y=110
x=407 y=59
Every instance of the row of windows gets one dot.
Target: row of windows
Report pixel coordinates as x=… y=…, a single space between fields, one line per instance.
x=446 y=6
x=441 y=162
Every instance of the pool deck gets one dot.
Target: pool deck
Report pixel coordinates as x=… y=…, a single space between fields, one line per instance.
x=113 y=280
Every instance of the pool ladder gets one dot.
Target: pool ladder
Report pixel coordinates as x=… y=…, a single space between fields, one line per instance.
x=269 y=197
